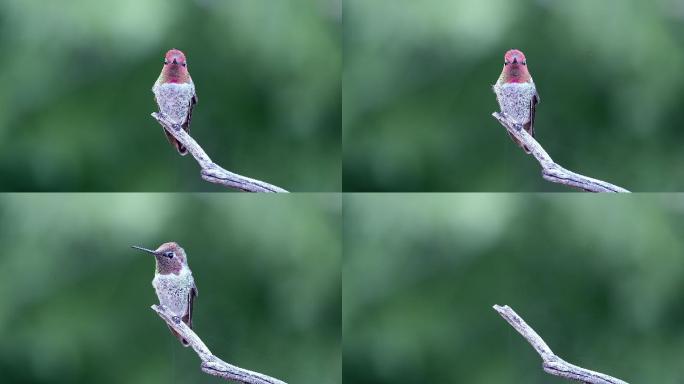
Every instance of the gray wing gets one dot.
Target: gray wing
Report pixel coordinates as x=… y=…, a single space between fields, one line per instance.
x=533 y=108
x=187 y=319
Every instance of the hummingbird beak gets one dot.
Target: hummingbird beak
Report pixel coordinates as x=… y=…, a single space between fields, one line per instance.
x=144 y=249
x=175 y=61
x=515 y=59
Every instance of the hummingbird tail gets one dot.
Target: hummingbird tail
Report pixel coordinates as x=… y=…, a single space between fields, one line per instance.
x=527 y=150
x=181 y=149
x=182 y=340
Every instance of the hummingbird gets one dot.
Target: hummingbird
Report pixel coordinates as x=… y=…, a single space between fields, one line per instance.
x=516 y=93
x=175 y=94
x=173 y=283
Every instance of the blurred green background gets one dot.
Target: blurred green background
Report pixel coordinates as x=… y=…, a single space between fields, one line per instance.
x=600 y=278
x=76 y=97
x=76 y=298
x=417 y=97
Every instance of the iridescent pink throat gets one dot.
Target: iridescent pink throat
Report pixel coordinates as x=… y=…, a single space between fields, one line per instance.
x=515 y=73
x=174 y=73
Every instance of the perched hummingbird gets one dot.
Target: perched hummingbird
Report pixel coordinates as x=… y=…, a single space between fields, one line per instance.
x=175 y=94
x=173 y=283
x=516 y=93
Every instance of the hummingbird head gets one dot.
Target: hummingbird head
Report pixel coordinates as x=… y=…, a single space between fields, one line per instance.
x=175 y=68
x=170 y=258
x=175 y=57
x=515 y=67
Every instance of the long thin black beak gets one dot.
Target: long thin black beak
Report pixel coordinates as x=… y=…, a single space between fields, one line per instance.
x=144 y=249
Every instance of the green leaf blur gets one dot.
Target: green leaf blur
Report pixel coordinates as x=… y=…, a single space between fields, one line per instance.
x=76 y=298
x=76 y=97
x=600 y=279
x=418 y=100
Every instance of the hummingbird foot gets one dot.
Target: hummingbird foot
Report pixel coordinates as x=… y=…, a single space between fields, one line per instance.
x=513 y=123
x=162 y=117
x=176 y=319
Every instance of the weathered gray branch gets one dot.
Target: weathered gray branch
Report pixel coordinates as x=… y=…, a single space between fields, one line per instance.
x=550 y=170
x=211 y=171
x=210 y=363
x=553 y=364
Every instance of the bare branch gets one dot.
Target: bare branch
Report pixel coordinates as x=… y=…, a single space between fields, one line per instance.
x=550 y=170
x=553 y=364
x=211 y=171
x=210 y=363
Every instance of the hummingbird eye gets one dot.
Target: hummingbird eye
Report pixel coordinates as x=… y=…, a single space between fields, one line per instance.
x=170 y=255
x=506 y=62
x=524 y=63
x=166 y=62
x=184 y=64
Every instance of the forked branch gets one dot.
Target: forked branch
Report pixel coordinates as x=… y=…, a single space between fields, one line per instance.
x=553 y=364
x=210 y=363
x=211 y=171
x=550 y=170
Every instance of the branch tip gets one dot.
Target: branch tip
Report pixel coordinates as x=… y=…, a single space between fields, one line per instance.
x=214 y=173
x=553 y=364
x=551 y=171
x=211 y=364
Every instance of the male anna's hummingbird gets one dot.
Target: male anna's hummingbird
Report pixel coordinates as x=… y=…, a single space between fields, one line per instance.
x=175 y=94
x=173 y=283
x=516 y=93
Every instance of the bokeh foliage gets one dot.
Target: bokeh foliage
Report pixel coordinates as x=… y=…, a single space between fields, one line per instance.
x=76 y=97
x=600 y=278
x=75 y=296
x=418 y=101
